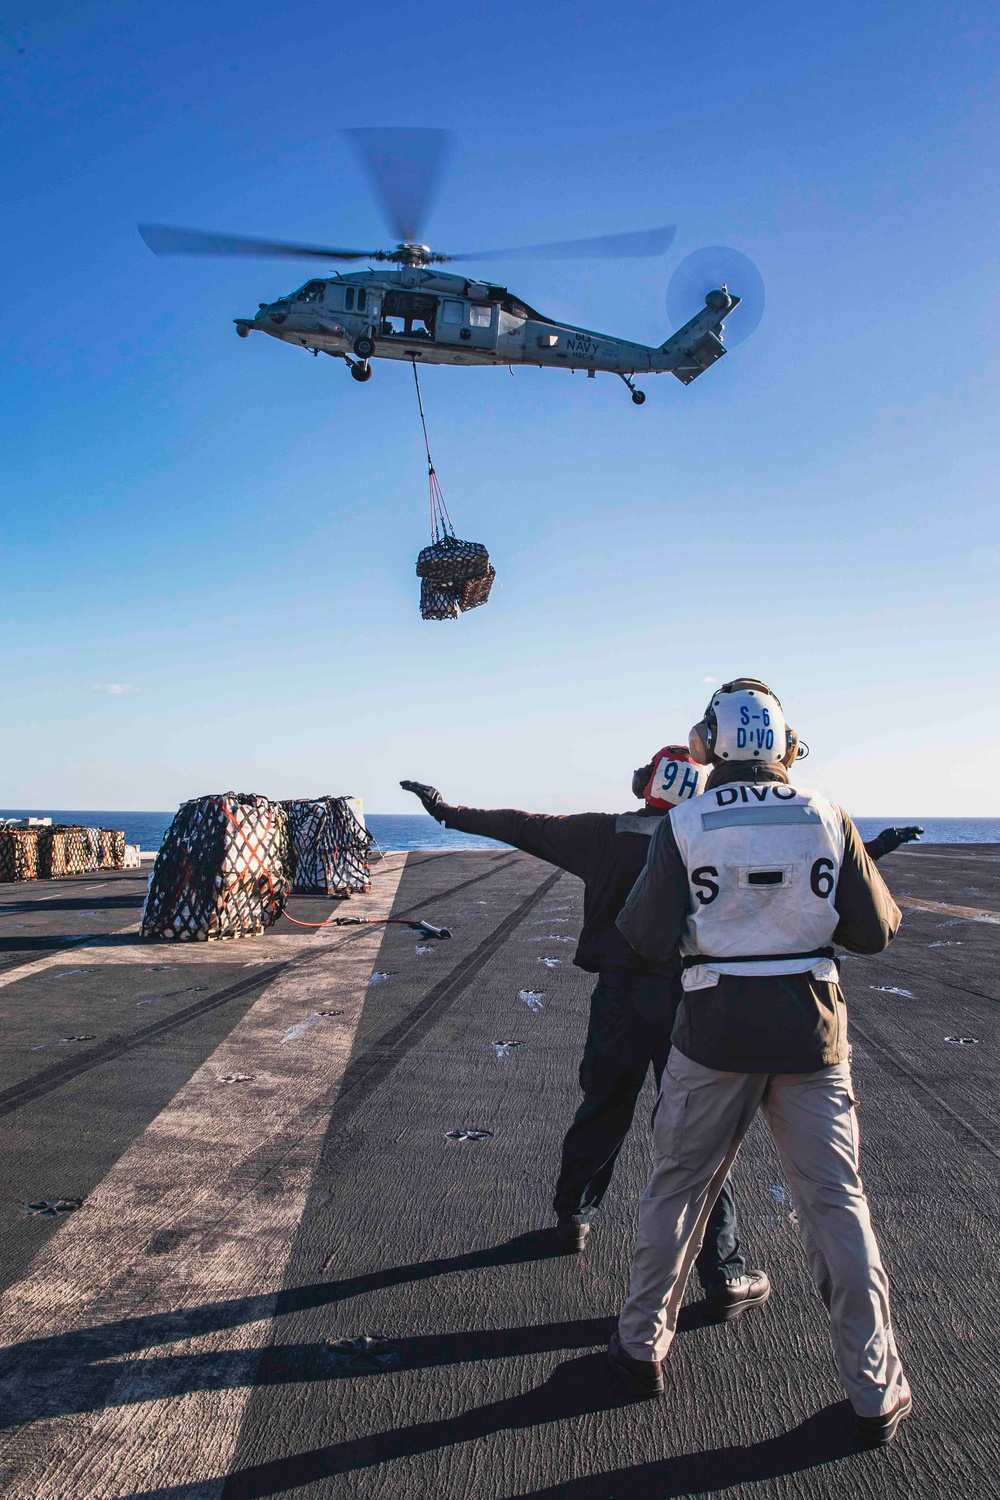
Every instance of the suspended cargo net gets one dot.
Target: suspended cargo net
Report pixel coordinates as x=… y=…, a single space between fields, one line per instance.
x=221 y=872
x=67 y=849
x=18 y=853
x=454 y=575
x=328 y=847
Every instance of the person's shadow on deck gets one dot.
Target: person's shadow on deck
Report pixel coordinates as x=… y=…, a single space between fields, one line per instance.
x=76 y=1372
x=576 y=1388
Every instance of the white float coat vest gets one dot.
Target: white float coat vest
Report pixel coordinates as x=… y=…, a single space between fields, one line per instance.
x=762 y=862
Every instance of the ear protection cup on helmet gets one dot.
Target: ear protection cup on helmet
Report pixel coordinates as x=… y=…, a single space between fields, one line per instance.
x=698 y=742
x=791 y=747
x=640 y=780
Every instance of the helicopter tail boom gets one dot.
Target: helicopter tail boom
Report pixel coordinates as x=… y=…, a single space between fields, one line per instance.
x=690 y=351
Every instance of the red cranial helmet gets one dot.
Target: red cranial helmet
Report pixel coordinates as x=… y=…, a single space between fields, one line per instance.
x=672 y=776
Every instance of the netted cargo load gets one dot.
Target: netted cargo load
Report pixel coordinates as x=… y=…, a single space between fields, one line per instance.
x=112 y=855
x=438 y=602
x=450 y=560
x=18 y=853
x=454 y=576
x=476 y=591
x=329 y=847
x=67 y=849
x=221 y=871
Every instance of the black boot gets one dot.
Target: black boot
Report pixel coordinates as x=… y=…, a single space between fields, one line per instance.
x=572 y=1235
x=642 y=1378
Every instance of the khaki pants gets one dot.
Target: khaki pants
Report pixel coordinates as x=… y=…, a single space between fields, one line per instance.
x=700 y=1120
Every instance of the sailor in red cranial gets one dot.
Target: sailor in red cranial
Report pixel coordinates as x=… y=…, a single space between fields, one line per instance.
x=632 y=1008
x=750 y=885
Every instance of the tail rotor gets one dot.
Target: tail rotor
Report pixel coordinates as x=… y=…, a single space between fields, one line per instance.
x=703 y=275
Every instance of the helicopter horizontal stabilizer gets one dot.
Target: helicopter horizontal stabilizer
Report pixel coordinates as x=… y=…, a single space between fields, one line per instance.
x=692 y=349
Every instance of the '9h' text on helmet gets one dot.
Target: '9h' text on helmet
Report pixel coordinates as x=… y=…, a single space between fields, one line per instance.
x=744 y=722
x=672 y=776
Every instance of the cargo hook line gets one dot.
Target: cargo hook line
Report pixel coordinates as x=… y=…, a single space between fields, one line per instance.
x=441 y=525
x=417 y=924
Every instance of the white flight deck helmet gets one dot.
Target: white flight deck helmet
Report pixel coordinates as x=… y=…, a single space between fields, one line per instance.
x=744 y=722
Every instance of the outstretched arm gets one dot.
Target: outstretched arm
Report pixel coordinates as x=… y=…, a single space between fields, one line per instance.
x=890 y=839
x=572 y=843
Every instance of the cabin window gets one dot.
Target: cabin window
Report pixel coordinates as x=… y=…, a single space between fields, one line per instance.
x=349 y=299
x=454 y=312
x=313 y=292
x=480 y=317
x=362 y=298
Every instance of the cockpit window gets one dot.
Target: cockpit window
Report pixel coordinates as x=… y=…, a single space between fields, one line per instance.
x=312 y=293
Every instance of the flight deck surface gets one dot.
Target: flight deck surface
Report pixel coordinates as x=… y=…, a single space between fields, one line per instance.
x=261 y=1136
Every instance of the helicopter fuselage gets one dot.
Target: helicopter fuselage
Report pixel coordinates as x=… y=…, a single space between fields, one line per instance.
x=428 y=316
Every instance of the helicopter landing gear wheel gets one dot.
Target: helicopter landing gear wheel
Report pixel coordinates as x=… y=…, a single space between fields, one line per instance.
x=637 y=396
x=364 y=348
x=362 y=372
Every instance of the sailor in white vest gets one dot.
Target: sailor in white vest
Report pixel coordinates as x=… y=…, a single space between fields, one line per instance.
x=753 y=882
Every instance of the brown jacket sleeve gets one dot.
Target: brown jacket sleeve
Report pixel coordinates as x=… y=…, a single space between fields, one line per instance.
x=573 y=843
x=653 y=918
x=869 y=918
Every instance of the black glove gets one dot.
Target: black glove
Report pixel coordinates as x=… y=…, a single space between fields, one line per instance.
x=890 y=839
x=429 y=795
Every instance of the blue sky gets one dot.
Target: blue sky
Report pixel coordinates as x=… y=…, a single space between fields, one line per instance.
x=227 y=529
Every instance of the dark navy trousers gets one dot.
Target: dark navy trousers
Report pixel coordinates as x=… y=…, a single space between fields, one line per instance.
x=631 y=1018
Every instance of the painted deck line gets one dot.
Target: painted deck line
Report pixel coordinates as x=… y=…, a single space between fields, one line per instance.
x=78 y=948
x=970 y=913
x=179 y=1223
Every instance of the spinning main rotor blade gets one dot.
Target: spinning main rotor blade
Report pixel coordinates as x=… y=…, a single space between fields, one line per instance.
x=708 y=270
x=605 y=246
x=404 y=169
x=163 y=240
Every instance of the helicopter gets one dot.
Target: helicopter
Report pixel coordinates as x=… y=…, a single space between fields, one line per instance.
x=424 y=315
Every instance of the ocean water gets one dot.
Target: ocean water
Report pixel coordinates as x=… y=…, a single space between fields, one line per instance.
x=392 y=831
x=418 y=831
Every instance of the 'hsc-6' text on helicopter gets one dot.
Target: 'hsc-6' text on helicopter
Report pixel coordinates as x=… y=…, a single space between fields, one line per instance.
x=423 y=315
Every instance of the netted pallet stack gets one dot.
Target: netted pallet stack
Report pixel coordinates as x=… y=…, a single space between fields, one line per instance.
x=112 y=849
x=67 y=849
x=221 y=871
x=328 y=847
x=454 y=576
x=18 y=853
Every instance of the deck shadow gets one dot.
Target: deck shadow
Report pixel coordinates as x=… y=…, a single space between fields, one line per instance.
x=576 y=1388
x=71 y=1372
x=73 y=903
x=824 y=1438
